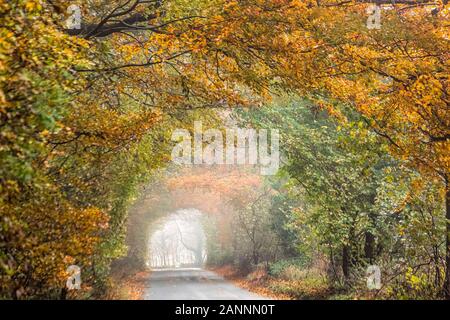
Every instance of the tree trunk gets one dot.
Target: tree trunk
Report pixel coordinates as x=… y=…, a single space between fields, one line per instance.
x=447 y=242
x=437 y=270
x=346 y=262
x=369 y=246
x=332 y=272
x=255 y=256
x=63 y=295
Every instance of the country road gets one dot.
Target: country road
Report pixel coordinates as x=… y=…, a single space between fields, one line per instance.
x=194 y=284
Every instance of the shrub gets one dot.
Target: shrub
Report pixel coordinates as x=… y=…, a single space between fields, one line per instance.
x=289 y=269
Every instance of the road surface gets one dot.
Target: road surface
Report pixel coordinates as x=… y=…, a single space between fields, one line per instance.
x=193 y=284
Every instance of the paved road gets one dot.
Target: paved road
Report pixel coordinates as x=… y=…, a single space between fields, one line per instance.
x=193 y=284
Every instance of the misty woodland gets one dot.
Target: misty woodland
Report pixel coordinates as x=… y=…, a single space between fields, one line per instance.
x=353 y=93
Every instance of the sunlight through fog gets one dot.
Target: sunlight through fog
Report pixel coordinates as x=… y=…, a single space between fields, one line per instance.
x=179 y=241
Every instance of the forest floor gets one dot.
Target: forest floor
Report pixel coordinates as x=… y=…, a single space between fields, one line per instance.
x=253 y=283
x=128 y=285
x=260 y=282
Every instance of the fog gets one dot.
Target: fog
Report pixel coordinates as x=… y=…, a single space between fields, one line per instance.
x=178 y=241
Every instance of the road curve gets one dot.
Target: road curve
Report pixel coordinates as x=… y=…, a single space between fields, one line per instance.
x=193 y=284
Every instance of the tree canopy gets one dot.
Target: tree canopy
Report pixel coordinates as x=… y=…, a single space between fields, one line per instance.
x=86 y=113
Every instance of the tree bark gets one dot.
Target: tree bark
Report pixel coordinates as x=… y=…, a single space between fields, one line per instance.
x=100 y=31
x=63 y=295
x=369 y=246
x=255 y=257
x=447 y=241
x=346 y=262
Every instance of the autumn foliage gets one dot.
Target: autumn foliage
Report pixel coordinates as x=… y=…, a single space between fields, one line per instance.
x=86 y=115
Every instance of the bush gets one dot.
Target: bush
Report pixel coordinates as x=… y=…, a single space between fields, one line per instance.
x=313 y=287
x=290 y=269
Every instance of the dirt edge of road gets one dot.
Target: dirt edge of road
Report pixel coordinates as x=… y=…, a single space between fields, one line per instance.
x=128 y=285
x=255 y=282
